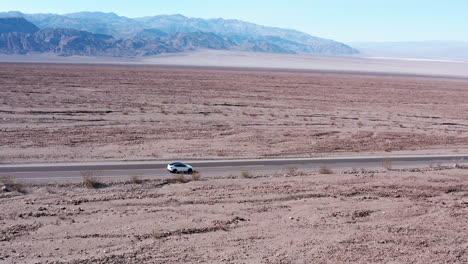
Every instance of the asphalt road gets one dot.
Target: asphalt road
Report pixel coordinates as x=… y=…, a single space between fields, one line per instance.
x=148 y=169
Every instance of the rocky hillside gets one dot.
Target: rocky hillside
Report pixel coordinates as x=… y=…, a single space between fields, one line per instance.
x=153 y=35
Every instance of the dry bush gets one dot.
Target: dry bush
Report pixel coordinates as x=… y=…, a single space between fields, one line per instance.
x=136 y=179
x=246 y=175
x=293 y=171
x=9 y=185
x=221 y=225
x=90 y=180
x=456 y=164
x=325 y=170
x=180 y=178
x=362 y=213
x=220 y=153
x=196 y=176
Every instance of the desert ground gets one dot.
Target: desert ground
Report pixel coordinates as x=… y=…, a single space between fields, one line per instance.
x=292 y=216
x=75 y=113
x=59 y=112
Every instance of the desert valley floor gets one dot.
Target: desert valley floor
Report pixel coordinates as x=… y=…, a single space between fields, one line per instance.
x=68 y=113
x=94 y=112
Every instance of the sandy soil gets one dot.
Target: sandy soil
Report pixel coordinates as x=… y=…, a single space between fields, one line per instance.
x=362 y=216
x=76 y=113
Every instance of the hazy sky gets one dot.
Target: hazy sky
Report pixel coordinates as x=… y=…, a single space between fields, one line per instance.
x=342 y=20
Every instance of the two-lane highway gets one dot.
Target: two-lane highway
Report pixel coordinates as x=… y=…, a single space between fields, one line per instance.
x=124 y=169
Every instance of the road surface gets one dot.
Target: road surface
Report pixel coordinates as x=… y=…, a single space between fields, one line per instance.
x=148 y=169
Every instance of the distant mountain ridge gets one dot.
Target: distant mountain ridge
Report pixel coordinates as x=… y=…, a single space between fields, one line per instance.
x=172 y=33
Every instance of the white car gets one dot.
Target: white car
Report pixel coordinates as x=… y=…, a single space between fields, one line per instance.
x=176 y=167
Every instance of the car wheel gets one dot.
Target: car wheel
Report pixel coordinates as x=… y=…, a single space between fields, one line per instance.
x=189 y=171
x=174 y=171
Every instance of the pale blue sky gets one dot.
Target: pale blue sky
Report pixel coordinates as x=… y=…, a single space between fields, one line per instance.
x=342 y=20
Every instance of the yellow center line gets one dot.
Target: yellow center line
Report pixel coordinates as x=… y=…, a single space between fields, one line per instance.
x=219 y=167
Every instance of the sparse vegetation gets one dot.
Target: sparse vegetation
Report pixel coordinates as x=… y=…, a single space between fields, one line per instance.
x=362 y=213
x=325 y=170
x=278 y=103
x=196 y=176
x=9 y=185
x=456 y=164
x=246 y=174
x=220 y=153
x=293 y=171
x=136 y=179
x=90 y=180
x=180 y=178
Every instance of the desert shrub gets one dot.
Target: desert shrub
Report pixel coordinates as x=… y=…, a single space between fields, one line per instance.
x=180 y=178
x=325 y=170
x=220 y=153
x=362 y=213
x=291 y=170
x=196 y=176
x=246 y=174
x=90 y=180
x=9 y=185
x=136 y=179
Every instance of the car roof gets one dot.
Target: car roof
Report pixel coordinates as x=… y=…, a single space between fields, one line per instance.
x=176 y=163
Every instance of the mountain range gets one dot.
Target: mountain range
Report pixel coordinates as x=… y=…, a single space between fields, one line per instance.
x=107 y=34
